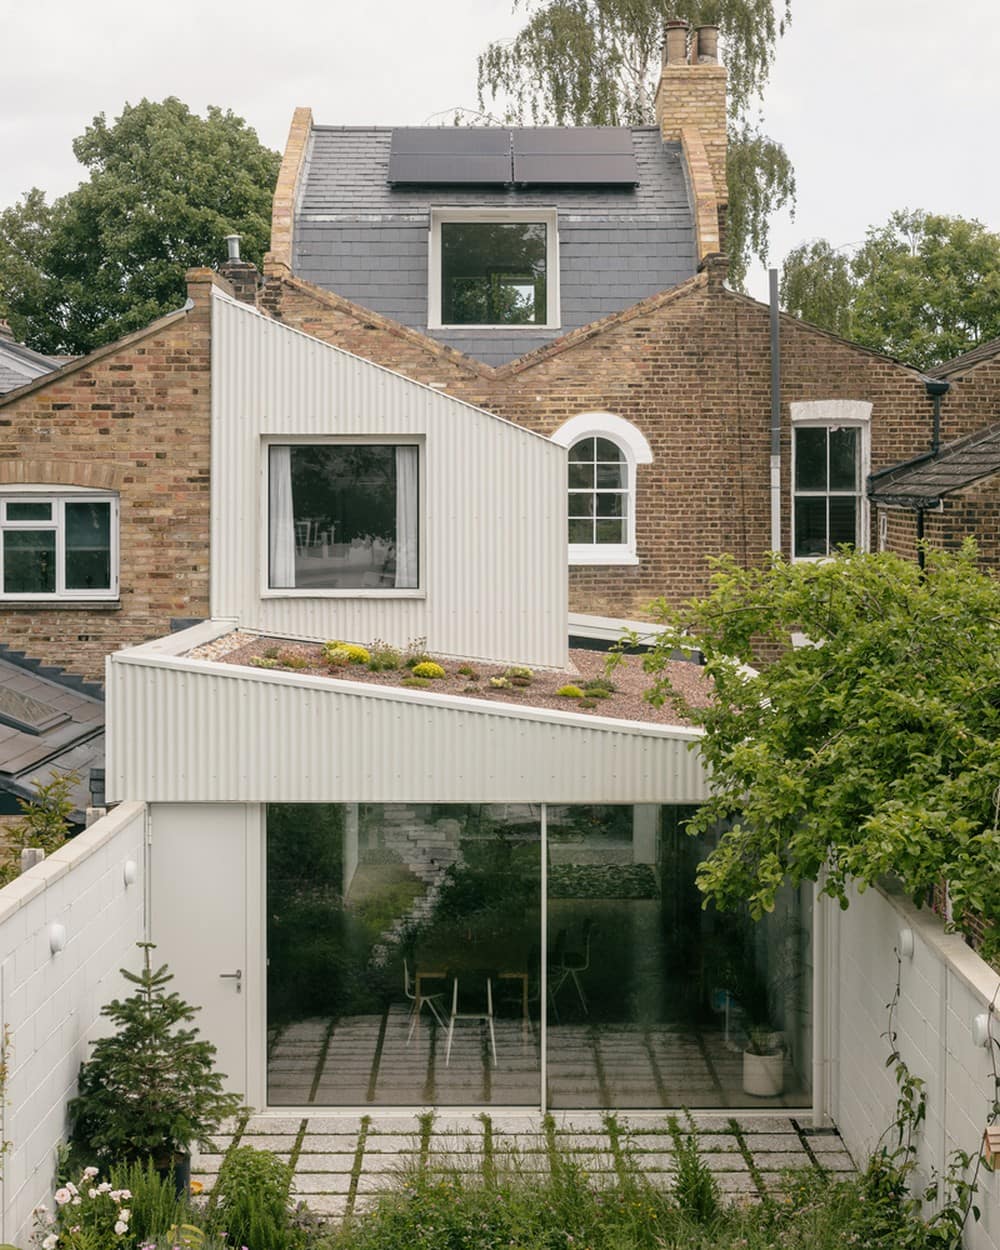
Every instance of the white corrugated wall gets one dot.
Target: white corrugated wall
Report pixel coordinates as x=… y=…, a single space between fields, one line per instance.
x=492 y=541
x=194 y=731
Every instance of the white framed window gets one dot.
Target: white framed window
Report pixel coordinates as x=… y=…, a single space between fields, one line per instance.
x=58 y=543
x=493 y=269
x=342 y=518
x=830 y=465
x=604 y=451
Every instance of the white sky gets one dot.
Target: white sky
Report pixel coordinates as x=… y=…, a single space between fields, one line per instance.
x=882 y=104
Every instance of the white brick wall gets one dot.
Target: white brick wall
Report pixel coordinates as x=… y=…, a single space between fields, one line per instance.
x=944 y=987
x=50 y=1004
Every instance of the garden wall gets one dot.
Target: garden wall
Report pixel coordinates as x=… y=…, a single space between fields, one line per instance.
x=50 y=1003
x=944 y=986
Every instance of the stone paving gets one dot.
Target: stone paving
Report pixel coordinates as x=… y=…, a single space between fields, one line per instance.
x=342 y=1163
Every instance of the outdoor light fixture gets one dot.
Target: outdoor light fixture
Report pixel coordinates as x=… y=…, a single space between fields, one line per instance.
x=905 y=944
x=981 y=1030
x=991 y=1146
x=57 y=937
x=130 y=872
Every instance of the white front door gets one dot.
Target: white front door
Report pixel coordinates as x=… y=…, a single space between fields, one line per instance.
x=198 y=919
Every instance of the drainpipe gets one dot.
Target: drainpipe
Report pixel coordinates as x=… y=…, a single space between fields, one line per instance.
x=921 y=557
x=775 y=414
x=936 y=387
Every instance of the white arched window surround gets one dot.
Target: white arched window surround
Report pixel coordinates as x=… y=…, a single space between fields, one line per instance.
x=835 y=417
x=635 y=450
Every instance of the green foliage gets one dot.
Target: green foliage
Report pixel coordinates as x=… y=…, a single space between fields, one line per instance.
x=597 y=62
x=165 y=187
x=346 y=652
x=416 y=683
x=427 y=668
x=251 y=1200
x=518 y=675
x=45 y=819
x=150 y=1089
x=923 y=288
x=696 y=1191
x=156 y=1207
x=570 y=692
x=382 y=657
x=500 y=683
x=873 y=750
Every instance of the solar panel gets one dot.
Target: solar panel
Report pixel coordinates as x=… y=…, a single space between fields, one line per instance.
x=23 y=712
x=453 y=154
x=581 y=155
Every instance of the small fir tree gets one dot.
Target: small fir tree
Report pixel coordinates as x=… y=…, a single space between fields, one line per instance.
x=150 y=1089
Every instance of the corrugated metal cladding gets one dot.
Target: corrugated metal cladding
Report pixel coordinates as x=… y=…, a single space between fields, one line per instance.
x=492 y=529
x=184 y=731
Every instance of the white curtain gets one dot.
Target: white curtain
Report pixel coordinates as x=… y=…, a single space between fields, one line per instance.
x=406 y=518
x=281 y=518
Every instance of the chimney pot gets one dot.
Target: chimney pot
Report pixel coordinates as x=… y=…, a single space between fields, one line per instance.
x=707 y=43
x=675 y=43
x=233 y=246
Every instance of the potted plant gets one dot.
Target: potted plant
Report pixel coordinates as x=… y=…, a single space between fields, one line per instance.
x=149 y=1090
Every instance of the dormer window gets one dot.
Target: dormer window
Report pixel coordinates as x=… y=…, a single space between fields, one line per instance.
x=493 y=269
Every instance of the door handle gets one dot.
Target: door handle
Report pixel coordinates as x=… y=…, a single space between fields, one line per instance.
x=237 y=976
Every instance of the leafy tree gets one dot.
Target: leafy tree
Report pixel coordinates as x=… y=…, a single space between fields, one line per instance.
x=165 y=187
x=873 y=749
x=597 y=62
x=923 y=288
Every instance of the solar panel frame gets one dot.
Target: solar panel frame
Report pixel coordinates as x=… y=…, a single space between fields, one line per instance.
x=450 y=154
x=580 y=156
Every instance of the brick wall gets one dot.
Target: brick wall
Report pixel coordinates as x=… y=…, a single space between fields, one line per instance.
x=970 y=513
x=133 y=419
x=691 y=369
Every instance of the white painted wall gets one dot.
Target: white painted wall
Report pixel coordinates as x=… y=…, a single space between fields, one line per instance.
x=50 y=1004
x=944 y=986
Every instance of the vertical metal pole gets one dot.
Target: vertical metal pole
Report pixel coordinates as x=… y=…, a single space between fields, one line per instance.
x=775 y=413
x=543 y=1000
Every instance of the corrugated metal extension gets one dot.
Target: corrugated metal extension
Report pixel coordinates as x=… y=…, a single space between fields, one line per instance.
x=194 y=731
x=492 y=543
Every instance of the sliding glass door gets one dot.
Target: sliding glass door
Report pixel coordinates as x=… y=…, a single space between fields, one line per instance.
x=415 y=960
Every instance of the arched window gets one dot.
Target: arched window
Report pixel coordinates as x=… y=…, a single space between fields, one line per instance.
x=604 y=451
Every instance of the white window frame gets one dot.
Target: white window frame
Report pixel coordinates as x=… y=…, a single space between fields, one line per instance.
x=548 y=216
x=58 y=497
x=835 y=414
x=631 y=442
x=267 y=591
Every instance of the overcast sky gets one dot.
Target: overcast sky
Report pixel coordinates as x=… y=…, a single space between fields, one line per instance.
x=882 y=104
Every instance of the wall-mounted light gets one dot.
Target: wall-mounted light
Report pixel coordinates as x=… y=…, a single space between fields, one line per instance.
x=130 y=872
x=905 y=944
x=991 y=1147
x=981 y=1030
x=57 y=937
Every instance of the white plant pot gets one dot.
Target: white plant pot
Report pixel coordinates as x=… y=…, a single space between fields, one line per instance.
x=763 y=1075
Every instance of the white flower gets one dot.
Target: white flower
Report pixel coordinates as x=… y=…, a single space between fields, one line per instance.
x=89 y=1173
x=91 y=1193
x=72 y=1188
x=115 y=1195
x=125 y=1214
x=126 y=1194
x=104 y=1187
x=77 y=1200
x=50 y=1242
x=120 y=1227
x=62 y=1196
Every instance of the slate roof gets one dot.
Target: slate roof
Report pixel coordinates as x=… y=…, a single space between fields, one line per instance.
x=19 y=364
x=953 y=468
x=73 y=740
x=968 y=360
x=365 y=239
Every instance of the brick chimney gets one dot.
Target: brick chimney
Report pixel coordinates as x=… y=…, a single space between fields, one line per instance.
x=241 y=275
x=692 y=95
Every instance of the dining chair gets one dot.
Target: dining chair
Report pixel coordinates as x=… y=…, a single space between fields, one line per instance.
x=485 y=1013
x=571 y=964
x=418 y=1001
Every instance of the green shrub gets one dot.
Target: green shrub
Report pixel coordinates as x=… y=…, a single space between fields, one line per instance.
x=428 y=668
x=264 y=661
x=339 y=654
x=382 y=657
x=570 y=692
x=288 y=659
x=251 y=1200
x=585 y=702
x=500 y=683
x=696 y=1191
x=519 y=676
x=419 y=682
x=600 y=687
x=416 y=653
x=156 y=1208
x=466 y=670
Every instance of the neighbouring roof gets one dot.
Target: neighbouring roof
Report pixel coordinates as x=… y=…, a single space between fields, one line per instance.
x=968 y=360
x=953 y=468
x=47 y=726
x=366 y=239
x=19 y=364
